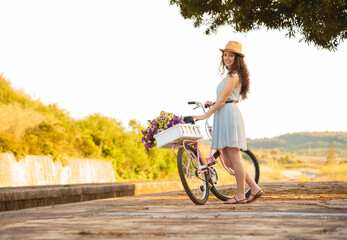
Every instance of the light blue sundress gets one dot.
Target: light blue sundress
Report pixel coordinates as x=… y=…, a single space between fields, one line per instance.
x=228 y=126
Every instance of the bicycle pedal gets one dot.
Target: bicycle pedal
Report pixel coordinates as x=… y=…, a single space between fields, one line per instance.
x=212 y=163
x=211 y=160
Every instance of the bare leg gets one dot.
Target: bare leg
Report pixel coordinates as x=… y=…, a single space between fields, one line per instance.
x=234 y=156
x=252 y=184
x=226 y=158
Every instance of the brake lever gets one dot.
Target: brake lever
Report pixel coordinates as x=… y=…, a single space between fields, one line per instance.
x=195 y=107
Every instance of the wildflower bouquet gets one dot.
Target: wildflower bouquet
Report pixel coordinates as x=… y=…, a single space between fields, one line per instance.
x=161 y=123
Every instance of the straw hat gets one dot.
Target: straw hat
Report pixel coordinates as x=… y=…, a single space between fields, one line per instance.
x=234 y=47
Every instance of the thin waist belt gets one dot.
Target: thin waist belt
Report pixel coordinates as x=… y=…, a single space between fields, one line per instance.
x=227 y=101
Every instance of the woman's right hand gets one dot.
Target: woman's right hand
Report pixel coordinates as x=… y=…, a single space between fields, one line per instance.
x=208 y=104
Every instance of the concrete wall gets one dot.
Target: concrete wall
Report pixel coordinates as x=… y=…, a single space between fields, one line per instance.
x=41 y=170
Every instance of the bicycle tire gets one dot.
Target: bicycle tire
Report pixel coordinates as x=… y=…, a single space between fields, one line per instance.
x=196 y=184
x=224 y=192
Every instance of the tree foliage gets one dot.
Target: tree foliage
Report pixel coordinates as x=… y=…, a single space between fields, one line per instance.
x=331 y=157
x=321 y=22
x=28 y=126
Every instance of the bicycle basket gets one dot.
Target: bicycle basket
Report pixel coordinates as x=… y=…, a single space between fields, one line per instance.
x=177 y=134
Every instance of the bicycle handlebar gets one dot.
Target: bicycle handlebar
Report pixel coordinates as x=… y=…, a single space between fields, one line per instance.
x=194 y=102
x=198 y=104
x=207 y=126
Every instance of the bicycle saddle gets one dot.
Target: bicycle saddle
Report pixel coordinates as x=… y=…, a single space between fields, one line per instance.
x=188 y=119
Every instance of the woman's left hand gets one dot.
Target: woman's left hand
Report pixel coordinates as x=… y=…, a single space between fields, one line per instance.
x=199 y=117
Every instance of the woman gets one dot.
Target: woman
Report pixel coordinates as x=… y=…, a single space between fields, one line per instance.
x=228 y=128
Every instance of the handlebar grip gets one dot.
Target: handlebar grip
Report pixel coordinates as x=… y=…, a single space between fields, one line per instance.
x=191 y=102
x=209 y=106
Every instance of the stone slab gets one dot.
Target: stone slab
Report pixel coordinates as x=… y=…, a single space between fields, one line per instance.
x=285 y=211
x=27 y=197
x=14 y=198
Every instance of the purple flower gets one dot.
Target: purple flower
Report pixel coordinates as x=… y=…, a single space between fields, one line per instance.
x=167 y=120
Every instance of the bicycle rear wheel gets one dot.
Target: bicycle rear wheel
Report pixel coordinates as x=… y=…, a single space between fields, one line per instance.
x=194 y=182
x=223 y=184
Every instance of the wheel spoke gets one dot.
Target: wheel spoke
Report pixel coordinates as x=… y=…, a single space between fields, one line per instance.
x=193 y=180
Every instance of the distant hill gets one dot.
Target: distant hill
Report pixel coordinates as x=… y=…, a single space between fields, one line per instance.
x=303 y=143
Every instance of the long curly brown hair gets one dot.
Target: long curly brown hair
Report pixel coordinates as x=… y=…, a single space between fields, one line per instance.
x=239 y=66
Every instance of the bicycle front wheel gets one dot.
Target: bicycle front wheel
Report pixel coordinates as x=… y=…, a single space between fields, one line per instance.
x=194 y=181
x=223 y=184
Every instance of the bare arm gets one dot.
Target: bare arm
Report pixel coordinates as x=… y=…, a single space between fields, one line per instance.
x=228 y=89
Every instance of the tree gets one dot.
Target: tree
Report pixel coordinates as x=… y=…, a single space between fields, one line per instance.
x=135 y=125
x=321 y=22
x=331 y=157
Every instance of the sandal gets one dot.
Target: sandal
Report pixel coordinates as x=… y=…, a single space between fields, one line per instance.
x=255 y=196
x=243 y=201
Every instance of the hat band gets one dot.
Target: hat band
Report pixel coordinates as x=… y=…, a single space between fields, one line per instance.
x=231 y=50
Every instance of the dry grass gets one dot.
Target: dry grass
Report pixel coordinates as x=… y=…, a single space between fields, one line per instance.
x=336 y=172
x=276 y=167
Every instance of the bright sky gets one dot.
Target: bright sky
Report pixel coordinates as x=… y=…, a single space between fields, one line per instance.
x=132 y=59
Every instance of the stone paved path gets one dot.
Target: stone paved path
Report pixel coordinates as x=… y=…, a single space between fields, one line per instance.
x=287 y=211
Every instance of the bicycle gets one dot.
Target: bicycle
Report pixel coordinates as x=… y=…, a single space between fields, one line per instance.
x=199 y=176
